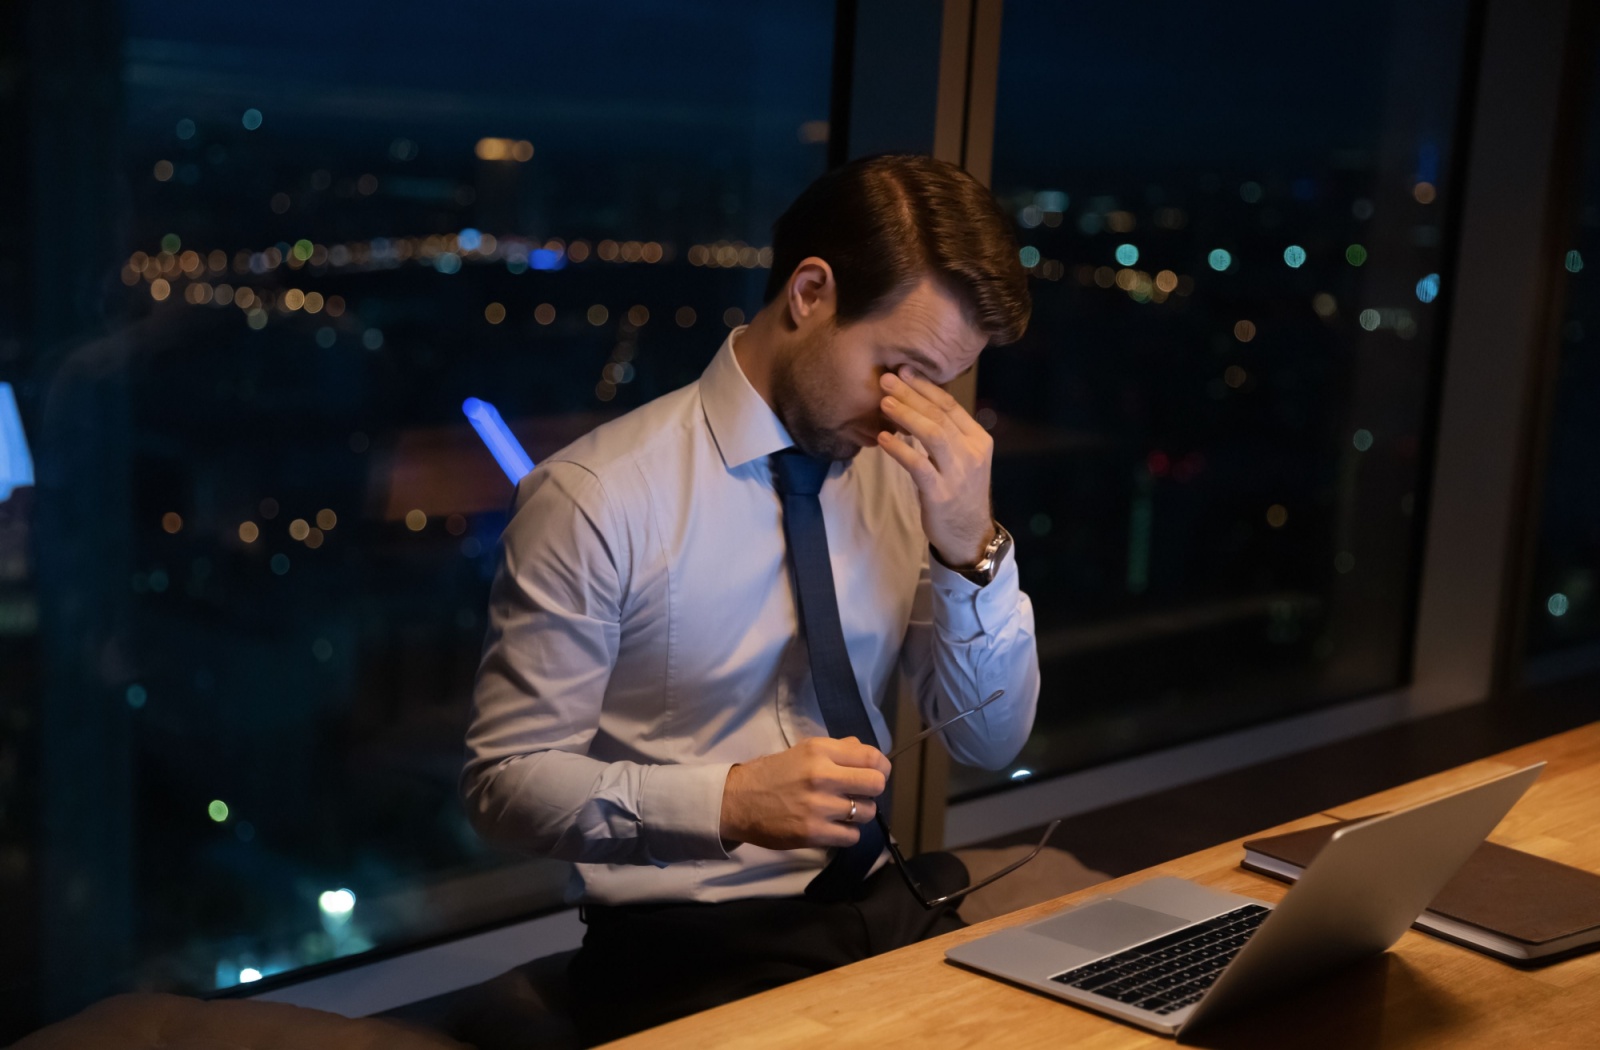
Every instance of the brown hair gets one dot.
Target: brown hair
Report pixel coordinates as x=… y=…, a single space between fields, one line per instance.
x=884 y=222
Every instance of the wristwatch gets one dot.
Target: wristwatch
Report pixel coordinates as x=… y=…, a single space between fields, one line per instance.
x=988 y=564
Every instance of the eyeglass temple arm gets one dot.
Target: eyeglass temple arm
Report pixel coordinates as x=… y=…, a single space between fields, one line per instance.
x=916 y=890
x=942 y=726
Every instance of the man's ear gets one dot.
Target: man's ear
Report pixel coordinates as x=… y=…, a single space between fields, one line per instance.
x=812 y=294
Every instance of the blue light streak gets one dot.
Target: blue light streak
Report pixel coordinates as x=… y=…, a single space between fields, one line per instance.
x=503 y=445
x=16 y=464
x=1428 y=288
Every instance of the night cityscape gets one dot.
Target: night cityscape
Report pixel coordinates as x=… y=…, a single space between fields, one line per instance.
x=243 y=598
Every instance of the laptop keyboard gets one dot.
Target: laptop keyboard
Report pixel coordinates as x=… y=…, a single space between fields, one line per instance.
x=1170 y=972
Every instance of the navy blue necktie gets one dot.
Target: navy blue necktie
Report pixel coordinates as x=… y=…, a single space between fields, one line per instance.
x=798 y=479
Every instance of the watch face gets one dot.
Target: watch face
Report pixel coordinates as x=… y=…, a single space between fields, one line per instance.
x=989 y=564
x=1001 y=547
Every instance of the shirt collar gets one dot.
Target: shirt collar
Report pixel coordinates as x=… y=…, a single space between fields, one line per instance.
x=741 y=423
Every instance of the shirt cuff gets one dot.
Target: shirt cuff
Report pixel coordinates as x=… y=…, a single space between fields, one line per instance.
x=681 y=808
x=963 y=610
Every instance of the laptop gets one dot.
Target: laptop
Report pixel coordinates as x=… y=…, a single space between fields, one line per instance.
x=1169 y=954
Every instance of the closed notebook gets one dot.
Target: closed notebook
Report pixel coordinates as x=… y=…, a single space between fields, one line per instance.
x=1503 y=901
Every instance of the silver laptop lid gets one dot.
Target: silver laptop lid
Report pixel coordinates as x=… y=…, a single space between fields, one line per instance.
x=1362 y=890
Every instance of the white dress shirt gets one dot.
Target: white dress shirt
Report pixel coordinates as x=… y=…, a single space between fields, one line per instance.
x=643 y=638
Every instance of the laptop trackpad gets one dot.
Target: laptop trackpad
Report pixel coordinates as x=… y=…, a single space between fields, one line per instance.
x=1108 y=925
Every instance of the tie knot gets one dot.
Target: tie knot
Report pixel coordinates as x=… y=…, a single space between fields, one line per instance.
x=796 y=474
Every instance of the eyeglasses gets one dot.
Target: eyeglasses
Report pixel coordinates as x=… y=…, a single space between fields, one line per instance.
x=894 y=847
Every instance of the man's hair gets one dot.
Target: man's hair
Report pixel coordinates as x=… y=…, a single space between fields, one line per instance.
x=884 y=222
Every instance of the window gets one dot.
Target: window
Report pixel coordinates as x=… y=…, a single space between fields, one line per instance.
x=247 y=589
x=1211 y=443
x=1564 y=613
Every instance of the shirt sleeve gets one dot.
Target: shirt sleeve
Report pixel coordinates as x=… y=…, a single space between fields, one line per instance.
x=555 y=612
x=965 y=641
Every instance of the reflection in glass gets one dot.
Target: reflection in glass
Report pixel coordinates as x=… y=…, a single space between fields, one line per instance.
x=242 y=607
x=1563 y=614
x=1210 y=442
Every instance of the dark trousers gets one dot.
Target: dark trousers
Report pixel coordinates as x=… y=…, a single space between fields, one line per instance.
x=645 y=964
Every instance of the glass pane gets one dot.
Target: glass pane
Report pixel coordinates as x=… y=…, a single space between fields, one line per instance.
x=1209 y=443
x=1564 y=615
x=245 y=597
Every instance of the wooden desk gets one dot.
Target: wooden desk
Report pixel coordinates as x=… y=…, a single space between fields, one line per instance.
x=1422 y=993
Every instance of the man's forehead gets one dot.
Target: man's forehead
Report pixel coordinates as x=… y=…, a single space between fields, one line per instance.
x=939 y=365
x=930 y=327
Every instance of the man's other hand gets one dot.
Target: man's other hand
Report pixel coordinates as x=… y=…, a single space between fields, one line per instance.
x=801 y=797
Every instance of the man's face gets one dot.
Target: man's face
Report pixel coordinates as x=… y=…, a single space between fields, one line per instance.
x=826 y=389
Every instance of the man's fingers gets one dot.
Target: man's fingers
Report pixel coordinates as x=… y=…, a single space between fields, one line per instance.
x=833 y=833
x=916 y=462
x=849 y=751
x=937 y=395
x=933 y=433
x=924 y=398
x=939 y=399
x=848 y=780
x=865 y=810
x=836 y=779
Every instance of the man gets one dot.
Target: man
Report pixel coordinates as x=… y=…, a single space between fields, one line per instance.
x=702 y=607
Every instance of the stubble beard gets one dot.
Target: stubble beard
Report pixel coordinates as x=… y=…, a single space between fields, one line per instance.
x=801 y=395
